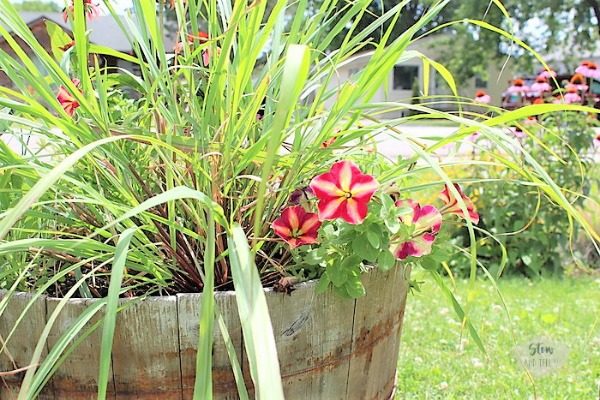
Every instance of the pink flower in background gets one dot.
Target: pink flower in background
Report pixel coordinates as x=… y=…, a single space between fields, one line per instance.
x=531 y=120
x=518 y=132
x=297 y=227
x=518 y=86
x=344 y=192
x=597 y=140
x=541 y=85
x=583 y=68
x=593 y=71
x=589 y=70
x=451 y=205
x=474 y=136
x=572 y=96
x=548 y=73
x=66 y=99
x=482 y=97
x=427 y=221
x=90 y=9
x=578 y=80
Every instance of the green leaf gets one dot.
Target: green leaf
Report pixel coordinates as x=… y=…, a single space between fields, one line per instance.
x=363 y=248
x=58 y=38
x=314 y=257
x=337 y=273
x=354 y=287
x=386 y=260
x=110 y=316
x=259 y=340
x=322 y=284
x=373 y=236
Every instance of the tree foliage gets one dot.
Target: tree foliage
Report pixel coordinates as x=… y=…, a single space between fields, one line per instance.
x=568 y=28
x=561 y=30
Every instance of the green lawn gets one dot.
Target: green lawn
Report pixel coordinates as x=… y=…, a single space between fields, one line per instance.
x=439 y=361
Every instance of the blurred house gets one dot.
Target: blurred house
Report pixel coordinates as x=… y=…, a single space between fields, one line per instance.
x=409 y=73
x=104 y=31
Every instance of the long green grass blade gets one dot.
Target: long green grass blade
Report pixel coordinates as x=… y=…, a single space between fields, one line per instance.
x=112 y=303
x=259 y=340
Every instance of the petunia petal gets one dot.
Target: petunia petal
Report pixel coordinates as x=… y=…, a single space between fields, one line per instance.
x=296 y=226
x=356 y=211
x=330 y=208
x=281 y=229
x=428 y=218
x=310 y=224
x=307 y=239
x=325 y=185
x=452 y=206
x=417 y=247
x=291 y=214
x=344 y=173
x=363 y=187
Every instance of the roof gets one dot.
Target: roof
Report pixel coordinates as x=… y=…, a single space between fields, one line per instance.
x=104 y=30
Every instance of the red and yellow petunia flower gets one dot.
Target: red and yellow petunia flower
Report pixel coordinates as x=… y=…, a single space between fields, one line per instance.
x=66 y=99
x=427 y=222
x=452 y=206
x=344 y=192
x=297 y=227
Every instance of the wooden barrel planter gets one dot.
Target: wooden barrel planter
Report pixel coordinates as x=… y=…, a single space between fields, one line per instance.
x=329 y=347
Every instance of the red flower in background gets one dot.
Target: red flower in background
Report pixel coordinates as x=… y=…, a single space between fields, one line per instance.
x=344 y=192
x=66 y=99
x=201 y=38
x=427 y=221
x=297 y=227
x=90 y=9
x=67 y=46
x=452 y=206
x=328 y=142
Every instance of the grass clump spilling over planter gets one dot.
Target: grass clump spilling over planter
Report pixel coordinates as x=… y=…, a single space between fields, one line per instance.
x=229 y=162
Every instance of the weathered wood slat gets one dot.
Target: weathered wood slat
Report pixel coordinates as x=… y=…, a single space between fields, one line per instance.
x=376 y=336
x=189 y=306
x=329 y=348
x=146 y=350
x=313 y=335
x=23 y=341
x=77 y=377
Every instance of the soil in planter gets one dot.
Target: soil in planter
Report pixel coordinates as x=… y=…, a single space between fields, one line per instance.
x=98 y=285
